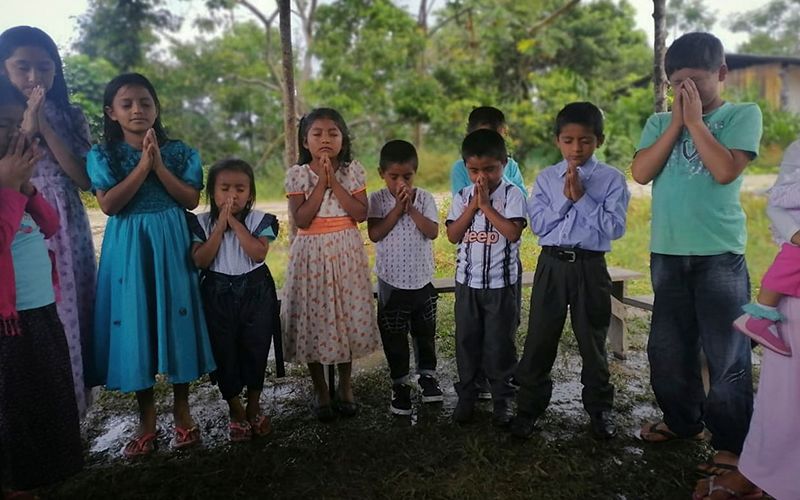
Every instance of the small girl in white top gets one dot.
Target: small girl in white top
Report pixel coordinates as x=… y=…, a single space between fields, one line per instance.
x=230 y=244
x=403 y=222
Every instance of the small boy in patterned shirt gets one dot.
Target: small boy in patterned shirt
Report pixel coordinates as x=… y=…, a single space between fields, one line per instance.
x=403 y=222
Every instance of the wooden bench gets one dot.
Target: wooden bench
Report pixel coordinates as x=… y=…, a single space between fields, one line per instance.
x=617 y=329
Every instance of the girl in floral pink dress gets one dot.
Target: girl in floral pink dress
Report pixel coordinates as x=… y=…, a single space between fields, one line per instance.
x=327 y=307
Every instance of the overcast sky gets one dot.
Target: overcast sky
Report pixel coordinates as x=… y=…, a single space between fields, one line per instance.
x=58 y=18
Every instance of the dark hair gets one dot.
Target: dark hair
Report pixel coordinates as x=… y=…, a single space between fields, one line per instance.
x=345 y=155
x=28 y=36
x=112 y=131
x=483 y=116
x=398 y=151
x=484 y=143
x=694 y=50
x=10 y=95
x=232 y=165
x=582 y=113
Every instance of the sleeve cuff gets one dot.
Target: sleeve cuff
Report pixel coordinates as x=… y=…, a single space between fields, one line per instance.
x=585 y=205
x=564 y=208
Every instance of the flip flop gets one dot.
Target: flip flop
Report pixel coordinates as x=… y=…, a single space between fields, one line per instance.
x=666 y=434
x=261 y=426
x=240 y=431
x=732 y=494
x=713 y=468
x=185 y=437
x=141 y=445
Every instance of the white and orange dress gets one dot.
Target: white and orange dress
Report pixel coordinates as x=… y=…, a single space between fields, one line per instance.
x=327 y=309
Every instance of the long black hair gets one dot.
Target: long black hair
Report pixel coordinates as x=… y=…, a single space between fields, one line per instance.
x=345 y=155
x=233 y=165
x=112 y=131
x=28 y=36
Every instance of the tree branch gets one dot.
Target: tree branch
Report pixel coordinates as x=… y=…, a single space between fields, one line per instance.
x=446 y=20
x=552 y=17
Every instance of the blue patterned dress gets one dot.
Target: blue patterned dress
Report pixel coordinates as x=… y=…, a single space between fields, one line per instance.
x=148 y=313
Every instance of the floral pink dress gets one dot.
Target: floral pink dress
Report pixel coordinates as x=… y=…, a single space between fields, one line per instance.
x=327 y=309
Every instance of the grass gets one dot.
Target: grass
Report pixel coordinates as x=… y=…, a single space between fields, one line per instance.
x=378 y=456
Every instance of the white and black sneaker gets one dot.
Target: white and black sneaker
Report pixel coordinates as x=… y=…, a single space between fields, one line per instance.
x=431 y=392
x=401 y=400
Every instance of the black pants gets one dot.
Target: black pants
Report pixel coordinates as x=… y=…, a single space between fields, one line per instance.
x=486 y=325
x=242 y=316
x=580 y=281
x=401 y=312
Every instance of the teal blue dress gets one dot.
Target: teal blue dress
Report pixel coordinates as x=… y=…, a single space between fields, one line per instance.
x=148 y=311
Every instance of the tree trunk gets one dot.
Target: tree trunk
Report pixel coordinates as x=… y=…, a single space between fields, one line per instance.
x=659 y=50
x=289 y=112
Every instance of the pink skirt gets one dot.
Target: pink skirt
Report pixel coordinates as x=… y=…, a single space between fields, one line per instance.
x=783 y=276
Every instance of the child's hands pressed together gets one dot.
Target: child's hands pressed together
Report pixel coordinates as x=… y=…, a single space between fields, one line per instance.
x=330 y=174
x=482 y=193
x=677 y=106
x=573 y=188
x=34 y=113
x=16 y=166
x=403 y=199
x=691 y=103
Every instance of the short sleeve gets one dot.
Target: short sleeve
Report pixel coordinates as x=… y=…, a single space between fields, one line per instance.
x=375 y=206
x=429 y=208
x=458 y=205
x=743 y=130
x=651 y=131
x=296 y=181
x=193 y=169
x=267 y=227
x=99 y=169
x=516 y=207
x=358 y=177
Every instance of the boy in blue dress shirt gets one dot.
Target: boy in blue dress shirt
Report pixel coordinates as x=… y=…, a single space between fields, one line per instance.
x=577 y=207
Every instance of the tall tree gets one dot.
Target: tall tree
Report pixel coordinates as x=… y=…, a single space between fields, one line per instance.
x=121 y=31
x=773 y=29
x=689 y=15
x=288 y=88
x=659 y=51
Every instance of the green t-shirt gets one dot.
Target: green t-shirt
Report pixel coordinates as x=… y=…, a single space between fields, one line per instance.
x=692 y=213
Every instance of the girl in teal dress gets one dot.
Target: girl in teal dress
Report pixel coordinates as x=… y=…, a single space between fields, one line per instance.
x=148 y=313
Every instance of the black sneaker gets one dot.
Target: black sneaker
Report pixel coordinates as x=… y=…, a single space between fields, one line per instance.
x=401 y=400
x=431 y=392
x=523 y=426
x=465 y=409
x=484 y=389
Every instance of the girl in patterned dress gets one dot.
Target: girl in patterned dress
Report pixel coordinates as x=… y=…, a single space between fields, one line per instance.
x=327 y=307
x=29 y=59
x=148 y=315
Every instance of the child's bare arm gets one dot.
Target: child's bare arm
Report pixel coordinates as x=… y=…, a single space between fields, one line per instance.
x=429 y=228
x=378 y=228
x=510 y=229
x=456 y=228
x=203 y=254
x=649 y=161
x=115 y=199
x=354 y=204
x=255 y=248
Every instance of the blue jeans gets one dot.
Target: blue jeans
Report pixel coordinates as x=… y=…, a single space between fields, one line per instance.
x=697 y=298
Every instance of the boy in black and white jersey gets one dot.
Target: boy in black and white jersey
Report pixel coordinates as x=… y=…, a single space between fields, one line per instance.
x=486 y=220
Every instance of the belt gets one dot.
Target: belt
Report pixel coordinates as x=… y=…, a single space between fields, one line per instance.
x=571 y=254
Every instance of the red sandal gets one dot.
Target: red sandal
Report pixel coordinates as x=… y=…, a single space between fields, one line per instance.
x=185 y=437
x=240 y=431
x=261 y=425
x=141 y=445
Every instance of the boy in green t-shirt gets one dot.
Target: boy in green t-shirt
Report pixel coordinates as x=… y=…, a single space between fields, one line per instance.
x=695 y=156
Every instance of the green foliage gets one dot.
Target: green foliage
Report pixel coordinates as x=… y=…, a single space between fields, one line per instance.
x=773 y=29
x=683 y=16
x=121 y=31
x=86 y=79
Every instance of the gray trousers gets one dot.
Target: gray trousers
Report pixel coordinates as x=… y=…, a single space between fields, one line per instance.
x=486 y=325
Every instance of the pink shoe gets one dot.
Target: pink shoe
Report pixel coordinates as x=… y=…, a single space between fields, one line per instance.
x=763 y=331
